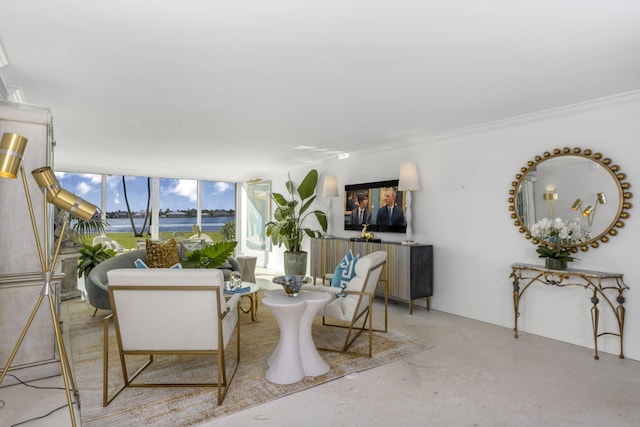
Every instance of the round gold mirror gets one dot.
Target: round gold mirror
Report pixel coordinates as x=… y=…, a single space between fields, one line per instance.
x=580 y=189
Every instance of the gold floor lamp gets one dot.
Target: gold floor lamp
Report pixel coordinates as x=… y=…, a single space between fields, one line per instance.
x=12 y=147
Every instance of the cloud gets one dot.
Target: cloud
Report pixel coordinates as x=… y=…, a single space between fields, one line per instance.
x=83 y=188
x=218 y=188
x=221 y=187
x=185 y=188
x=94 y=178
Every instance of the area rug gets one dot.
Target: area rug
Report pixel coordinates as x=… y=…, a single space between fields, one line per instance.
x=191 y=406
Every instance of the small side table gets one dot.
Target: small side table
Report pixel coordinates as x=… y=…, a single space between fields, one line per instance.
x=248 y=264
x=252 y=295
x=296 y=355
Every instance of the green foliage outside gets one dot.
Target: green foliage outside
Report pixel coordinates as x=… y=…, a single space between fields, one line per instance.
x=228 y=231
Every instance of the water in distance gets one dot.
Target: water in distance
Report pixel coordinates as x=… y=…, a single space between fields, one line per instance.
x=209 y=223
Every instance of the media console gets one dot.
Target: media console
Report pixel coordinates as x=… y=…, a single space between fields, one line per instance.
x=408 y=273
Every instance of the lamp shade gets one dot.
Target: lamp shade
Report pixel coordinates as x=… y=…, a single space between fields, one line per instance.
x=330 y=188
x=73 y=204
x=58 y=196
x=47 y=182
x=408 y=177
x=12 y=148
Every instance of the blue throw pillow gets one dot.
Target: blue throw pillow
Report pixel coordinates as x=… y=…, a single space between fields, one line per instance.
x=345 y=271
x=140 y=264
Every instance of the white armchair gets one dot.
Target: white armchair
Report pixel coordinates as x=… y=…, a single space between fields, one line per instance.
x=170 y=311
x=358 y=302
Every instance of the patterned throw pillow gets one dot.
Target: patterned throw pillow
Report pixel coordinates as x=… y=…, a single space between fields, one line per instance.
x=162 y=255
x=345 y=271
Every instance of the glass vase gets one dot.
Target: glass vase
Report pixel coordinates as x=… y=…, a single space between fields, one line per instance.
x=555 y=264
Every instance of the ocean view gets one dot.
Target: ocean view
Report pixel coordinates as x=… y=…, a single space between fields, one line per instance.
x=123 y=225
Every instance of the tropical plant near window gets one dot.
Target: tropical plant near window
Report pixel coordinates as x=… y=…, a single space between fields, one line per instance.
x=287 y=228
x=212 y=256
x=85 y=228
x=91 y=256
x=78 y=229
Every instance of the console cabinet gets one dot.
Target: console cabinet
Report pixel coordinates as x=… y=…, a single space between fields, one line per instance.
x=408 y=272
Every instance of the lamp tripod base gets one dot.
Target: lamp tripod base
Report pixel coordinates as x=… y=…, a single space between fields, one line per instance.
x=67 y=377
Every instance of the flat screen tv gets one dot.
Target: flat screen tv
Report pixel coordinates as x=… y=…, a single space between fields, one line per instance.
x=374 y=199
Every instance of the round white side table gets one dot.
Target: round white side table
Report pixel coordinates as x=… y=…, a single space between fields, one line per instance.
x=295 y=355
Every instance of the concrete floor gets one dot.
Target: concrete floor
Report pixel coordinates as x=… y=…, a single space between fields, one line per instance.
x=472 y=374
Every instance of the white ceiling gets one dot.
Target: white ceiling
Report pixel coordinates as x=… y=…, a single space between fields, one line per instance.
x=226 y=89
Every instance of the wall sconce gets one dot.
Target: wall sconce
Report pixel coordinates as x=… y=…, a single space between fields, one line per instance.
x=550 y=196
x=330 y=190
x=12 y=147
x=590 y=211
x=408 y=182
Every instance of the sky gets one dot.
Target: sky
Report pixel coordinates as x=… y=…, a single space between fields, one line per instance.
x=175 y=194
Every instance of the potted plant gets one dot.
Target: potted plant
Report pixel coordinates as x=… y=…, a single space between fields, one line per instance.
x=557 y=238
x=90 y=256
x=76 y=230
x=212 y=256
x=290 y=215
x=70 y=243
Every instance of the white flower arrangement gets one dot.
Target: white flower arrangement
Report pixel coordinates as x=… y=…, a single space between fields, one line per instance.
x=559 y=232
x=556 y=235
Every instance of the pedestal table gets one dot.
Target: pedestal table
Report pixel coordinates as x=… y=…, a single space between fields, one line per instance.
x=296 y=355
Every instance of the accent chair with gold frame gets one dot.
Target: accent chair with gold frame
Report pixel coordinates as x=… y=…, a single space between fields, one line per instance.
x=357 y=304
x=170 y=312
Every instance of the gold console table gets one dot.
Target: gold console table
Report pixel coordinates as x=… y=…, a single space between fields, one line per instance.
x=598 y=283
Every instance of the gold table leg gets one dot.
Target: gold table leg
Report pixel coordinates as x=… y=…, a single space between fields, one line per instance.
x=253 y=305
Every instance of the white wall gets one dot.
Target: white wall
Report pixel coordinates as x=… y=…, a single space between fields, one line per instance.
x=462 y=210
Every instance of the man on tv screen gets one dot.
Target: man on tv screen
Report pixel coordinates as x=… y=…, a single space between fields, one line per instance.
x=390 y=214
x=361 y=214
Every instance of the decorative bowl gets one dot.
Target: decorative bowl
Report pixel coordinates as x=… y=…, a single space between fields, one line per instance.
x=292 y=283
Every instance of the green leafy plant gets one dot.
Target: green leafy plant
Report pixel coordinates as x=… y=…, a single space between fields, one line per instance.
x=85 y=228
x=90 y=256
x=287 y=228
x=228 y=231
x=212 y=256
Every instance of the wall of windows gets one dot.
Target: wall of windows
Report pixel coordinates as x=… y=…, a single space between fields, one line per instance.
x=128 y=204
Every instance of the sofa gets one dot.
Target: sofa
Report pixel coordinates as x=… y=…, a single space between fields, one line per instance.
x=96 y=283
